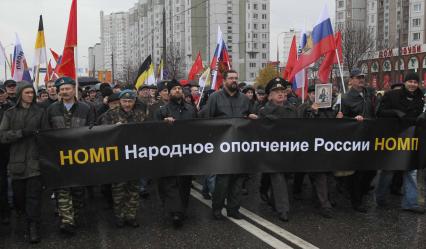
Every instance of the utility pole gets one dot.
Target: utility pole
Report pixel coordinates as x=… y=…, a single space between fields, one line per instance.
x=164 y=34
x=112 y=67
x=208 y=30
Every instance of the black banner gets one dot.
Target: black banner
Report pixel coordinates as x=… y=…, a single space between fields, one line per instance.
x=106 y=154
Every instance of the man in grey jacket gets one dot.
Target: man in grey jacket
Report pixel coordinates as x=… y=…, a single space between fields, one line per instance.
x=17 y=128
x=228 y=103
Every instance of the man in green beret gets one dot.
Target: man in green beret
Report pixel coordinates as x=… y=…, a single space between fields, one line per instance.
x=68 y=113
x=125 y=195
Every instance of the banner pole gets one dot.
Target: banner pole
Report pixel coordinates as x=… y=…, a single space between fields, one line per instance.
x=76 y=72
x=341 y=71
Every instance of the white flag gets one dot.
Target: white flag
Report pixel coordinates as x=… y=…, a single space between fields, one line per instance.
x=3 y=57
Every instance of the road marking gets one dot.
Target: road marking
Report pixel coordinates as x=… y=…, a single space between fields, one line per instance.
x=270 y=226
x=259 y=233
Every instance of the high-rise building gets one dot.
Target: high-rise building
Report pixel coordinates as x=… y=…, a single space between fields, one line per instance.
x=191 y=27
x=96 y=59
x=350 y=12
x=115 y=42
x=417 y=22
x=287 y=40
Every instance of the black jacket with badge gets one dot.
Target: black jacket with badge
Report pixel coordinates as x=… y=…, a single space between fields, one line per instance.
x=17 y=128
x=178 y=111
x=362 y=103
x=273 y=112
x=401 y=103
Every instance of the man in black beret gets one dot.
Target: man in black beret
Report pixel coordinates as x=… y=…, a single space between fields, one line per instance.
x=175 y=190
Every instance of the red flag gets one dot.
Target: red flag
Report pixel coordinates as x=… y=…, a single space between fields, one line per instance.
x=55 y=55
x=71 y=40
x=330 y=60
x=67 y=66
x=291 y=61
x=197 y=67
x=48 y=73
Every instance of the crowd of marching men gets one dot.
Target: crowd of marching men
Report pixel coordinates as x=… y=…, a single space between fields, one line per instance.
x=25 y=111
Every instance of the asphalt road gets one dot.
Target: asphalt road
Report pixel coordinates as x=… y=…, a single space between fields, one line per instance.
x=379 y=228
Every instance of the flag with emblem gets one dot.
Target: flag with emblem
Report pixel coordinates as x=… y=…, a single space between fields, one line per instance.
x=318 y=43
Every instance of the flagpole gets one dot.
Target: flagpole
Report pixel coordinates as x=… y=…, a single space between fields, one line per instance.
x=76 y=72
x=341 y=71
x=201 y=98
x=37 y=77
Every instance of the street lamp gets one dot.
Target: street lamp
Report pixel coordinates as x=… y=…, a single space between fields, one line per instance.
x=278 y=51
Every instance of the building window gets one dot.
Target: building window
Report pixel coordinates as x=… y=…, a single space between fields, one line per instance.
x=340 y=15
x=252 y=64
x=264 y=45
x=264 y=6
x=341 y=4
x=252 y=56
x=263 y=26
x=416 y=36
x=417 y=7
x=264 y=56
x=416 y=22
x=255 y=6
x=255 y=26
x=255 y=16
x=255 y=36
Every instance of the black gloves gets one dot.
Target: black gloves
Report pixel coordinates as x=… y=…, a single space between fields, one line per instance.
x=26 y=132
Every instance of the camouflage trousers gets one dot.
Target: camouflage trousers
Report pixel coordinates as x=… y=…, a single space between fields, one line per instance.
x=70 y=201
x=125 y=196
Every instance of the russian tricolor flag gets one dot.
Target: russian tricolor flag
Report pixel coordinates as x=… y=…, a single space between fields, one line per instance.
x=320 y=42
x=220 y=61
x=20 y=69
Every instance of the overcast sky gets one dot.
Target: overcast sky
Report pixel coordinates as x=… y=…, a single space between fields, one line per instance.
x=21 y=16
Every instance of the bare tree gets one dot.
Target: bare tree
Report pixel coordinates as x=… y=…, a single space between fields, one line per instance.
x=174 y=61
x=357 y=44
x=129 y=73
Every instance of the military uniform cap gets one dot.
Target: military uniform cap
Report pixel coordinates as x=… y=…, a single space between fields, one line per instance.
x=277 y=83
x=63 y=81
x=127 y=94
